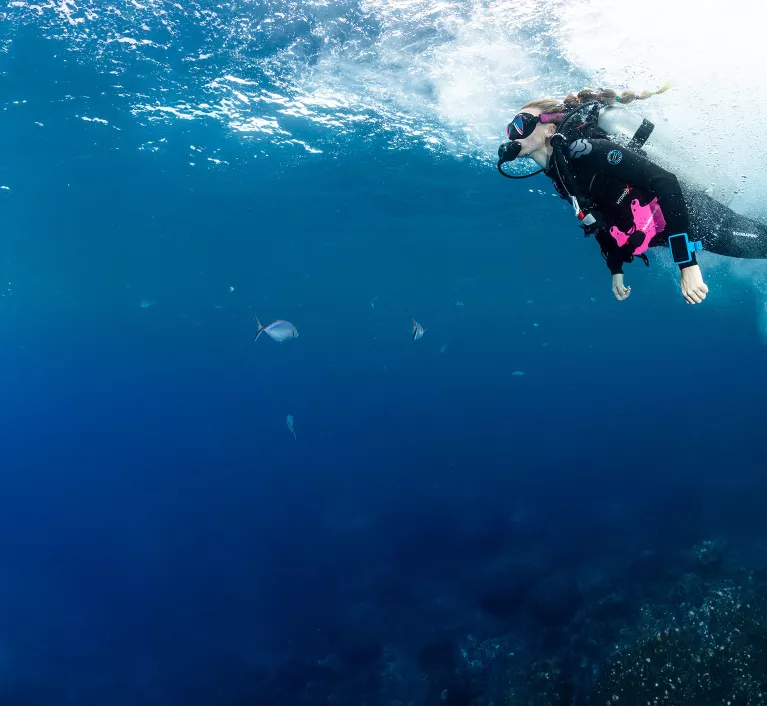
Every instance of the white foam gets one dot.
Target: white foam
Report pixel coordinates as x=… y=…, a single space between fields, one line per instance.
x=714 y=54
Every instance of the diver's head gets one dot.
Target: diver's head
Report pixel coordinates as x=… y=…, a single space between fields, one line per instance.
x=530 y=133
x=539 y=120
x=532 y=128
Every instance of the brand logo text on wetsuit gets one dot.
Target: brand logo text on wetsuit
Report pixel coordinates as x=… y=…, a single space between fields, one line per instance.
x=614 y=156
x=623 y=195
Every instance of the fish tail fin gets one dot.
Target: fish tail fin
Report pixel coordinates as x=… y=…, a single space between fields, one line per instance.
x=260 y=329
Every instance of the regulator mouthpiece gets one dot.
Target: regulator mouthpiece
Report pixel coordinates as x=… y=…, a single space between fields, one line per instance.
x=507 y=152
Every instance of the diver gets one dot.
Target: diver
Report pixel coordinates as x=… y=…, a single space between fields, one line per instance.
x=627 y=201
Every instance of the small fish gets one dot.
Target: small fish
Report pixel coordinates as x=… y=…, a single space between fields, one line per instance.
x=277 y=330
x=517 y=373
x=418 y=330
x=289 y=420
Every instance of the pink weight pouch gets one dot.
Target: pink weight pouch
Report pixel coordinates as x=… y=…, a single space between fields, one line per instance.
x=648 y=219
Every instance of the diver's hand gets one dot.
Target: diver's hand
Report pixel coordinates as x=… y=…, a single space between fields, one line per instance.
x=694 y=289
x=619 y=290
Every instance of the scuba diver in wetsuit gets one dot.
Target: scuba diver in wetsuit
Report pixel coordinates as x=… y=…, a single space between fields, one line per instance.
x=625 y=200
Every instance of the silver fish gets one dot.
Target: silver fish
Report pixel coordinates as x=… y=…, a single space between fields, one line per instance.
x=418 y=330
x=289 y=420
x=277 y=330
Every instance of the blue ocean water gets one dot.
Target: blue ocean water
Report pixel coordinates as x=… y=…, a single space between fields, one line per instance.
x=175 y=172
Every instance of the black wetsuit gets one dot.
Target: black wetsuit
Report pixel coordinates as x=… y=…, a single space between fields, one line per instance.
x=612 y=176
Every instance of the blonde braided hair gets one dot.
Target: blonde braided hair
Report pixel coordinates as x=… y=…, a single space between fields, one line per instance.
x=605 y=96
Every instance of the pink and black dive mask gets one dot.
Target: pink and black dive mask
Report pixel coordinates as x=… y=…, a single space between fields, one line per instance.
x=524 y=123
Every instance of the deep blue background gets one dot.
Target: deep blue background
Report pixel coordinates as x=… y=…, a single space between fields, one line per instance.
x=157 y=518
